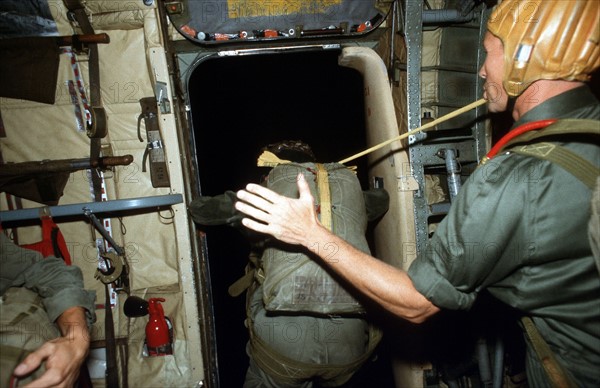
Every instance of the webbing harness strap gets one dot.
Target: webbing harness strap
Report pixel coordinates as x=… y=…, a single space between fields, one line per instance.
x=567 y=159
x=288 y=371
x=253 y=271
x=52 y=243
x=557 y=375
x=581 y=168
x=560 y=127
x=324 y=196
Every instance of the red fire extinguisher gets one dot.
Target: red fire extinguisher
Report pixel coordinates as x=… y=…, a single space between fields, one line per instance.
x=158 y=330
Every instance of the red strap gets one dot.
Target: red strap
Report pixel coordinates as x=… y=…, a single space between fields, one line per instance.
x=53 y=243
x=517 y=132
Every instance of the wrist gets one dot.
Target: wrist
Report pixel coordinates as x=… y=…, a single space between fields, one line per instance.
x=78 y=334
x=73 y=325
x=316 y=237
x=79 y=341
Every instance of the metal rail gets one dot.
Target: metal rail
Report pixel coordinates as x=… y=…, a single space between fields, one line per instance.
x=113 y=206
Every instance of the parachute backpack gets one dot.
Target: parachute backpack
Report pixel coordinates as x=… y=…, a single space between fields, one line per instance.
x=294 y=282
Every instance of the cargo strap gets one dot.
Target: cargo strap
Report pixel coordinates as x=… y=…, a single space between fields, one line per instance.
x=97 y=126
x=242 y=284
x=556 y=374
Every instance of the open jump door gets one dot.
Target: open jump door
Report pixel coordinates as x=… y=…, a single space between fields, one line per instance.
x=259 y=73
x=238 y=105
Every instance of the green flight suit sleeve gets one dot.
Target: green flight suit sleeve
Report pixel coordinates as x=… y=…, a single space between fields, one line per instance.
x=220 y=210
x=464 y=254
x=61 y=286
x=377 y=203
x=217 y=210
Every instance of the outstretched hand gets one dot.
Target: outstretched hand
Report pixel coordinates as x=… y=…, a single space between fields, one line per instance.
x=295 y=221
x=287 y=219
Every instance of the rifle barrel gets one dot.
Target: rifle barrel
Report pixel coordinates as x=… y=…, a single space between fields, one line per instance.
x=69 y=40
x=62 y=165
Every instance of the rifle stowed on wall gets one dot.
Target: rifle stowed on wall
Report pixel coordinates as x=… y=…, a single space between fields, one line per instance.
x=31 y=64
x=44 y=181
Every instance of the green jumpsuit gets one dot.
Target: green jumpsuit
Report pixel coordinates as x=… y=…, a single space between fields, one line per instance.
x=35 y=292
x=302 y=348
x=518 y=229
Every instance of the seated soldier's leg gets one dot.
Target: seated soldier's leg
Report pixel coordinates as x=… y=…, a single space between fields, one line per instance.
x=24 y=327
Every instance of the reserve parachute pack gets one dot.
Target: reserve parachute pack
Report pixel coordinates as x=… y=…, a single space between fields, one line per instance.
x=295 y=282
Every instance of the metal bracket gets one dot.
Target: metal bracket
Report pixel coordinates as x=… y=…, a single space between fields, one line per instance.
x=407 y=183
x=98 y=225
x=162 y=97
x=116 y=268
x=155 y=144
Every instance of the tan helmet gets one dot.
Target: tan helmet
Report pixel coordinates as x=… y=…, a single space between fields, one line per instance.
x=547 y=39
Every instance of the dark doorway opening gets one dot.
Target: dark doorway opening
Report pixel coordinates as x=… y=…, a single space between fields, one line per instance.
x=239 y=105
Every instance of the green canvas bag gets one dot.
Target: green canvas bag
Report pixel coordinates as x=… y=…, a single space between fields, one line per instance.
x=293 y=281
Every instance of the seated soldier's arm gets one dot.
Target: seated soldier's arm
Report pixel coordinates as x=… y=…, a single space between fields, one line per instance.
x=220 y=210
x=66 y=302
x=215 y=210
x=377 y=203
x=63 y=356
